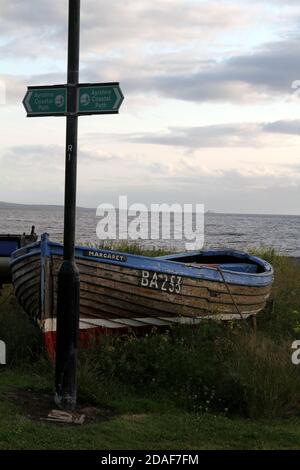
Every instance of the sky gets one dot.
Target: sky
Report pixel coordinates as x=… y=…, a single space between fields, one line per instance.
x=211 y=113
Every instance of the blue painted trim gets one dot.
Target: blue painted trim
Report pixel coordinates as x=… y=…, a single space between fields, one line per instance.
x=25 y=252
x=45 y=252
x=163 y=264
x=45 y=246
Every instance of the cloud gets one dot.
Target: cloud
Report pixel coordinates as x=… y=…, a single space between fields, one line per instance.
x=213 y=136
x=231 y=135
x=25 y=152
x=267 y=72
x=32 y=30
x=259 y=190
x=43 y=24
x=32 y=159
x=16 y=85
x=17 y=14
x=290 y=127
x=159 y=21
x=40 y=179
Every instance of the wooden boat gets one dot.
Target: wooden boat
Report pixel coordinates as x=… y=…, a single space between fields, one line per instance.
x=120 y=291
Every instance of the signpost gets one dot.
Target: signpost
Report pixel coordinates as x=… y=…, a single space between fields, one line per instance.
x=70 y=100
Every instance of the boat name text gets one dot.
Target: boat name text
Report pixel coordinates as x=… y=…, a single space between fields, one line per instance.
x=105 y=255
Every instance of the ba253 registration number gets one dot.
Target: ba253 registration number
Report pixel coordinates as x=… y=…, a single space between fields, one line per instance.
x=161 y=281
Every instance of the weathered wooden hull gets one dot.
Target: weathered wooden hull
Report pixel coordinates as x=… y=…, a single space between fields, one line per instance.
x=120 y=291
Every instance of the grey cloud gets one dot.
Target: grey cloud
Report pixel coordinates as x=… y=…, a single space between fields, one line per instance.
x=41 y=15
x=16 y=85
x=263 y=74
x=33 y=158
x=291 y=127
x=157 y=21
x=268 y=71
x=53 y=154
x=29 y=27
x=202 y=137
x=227 y=191
x=93 y=156
x=32 y=151
x=213 y=136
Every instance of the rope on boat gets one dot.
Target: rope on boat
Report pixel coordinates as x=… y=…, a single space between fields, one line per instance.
x=229 y=292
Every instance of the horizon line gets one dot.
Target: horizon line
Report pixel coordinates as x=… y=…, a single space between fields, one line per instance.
x=208 y=211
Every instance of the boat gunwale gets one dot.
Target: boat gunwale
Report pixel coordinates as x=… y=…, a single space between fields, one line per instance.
x=45 y=247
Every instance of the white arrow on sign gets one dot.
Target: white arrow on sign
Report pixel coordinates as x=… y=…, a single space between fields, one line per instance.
x=26 y=102
x=119 y=97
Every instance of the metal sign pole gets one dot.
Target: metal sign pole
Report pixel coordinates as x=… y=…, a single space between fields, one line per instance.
x=68 y=277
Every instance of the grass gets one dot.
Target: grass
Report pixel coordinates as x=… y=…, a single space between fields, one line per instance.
x=205 y=369
x=139 y=424
x=212 y=387
x=21 y=336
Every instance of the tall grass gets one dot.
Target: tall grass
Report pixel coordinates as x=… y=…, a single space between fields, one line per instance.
x=22 y=337
x=207 y=368
x=132 y=247
x=262 y=371
x=281 y=318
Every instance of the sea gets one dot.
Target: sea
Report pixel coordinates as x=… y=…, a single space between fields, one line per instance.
x=236 y=231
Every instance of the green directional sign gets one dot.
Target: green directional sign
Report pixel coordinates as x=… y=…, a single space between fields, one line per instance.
x=99 y=98
x=46 y=101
